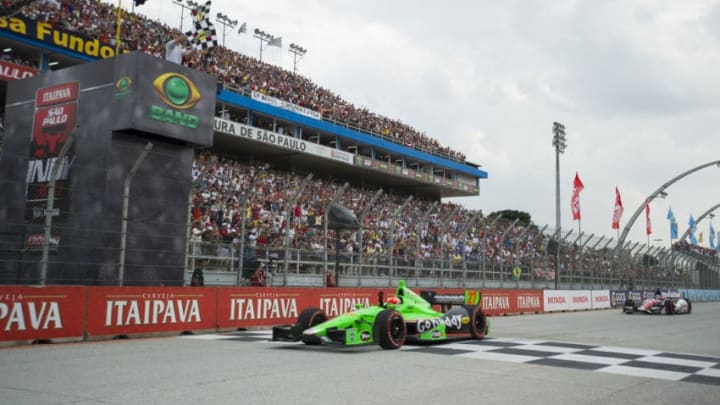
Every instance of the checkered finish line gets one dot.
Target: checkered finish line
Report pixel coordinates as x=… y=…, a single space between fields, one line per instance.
x=607 y=359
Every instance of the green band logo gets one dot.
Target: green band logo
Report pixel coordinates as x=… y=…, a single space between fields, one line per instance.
x=178 y=92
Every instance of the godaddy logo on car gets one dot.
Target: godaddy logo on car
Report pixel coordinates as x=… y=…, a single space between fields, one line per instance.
x=180 y=93
x=452 y=321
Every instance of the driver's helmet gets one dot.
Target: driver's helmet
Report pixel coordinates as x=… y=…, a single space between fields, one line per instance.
x=658 y=293
x=394 y=300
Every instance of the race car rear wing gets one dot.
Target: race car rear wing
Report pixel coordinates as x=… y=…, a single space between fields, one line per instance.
x=430 y=298
x=470 y=297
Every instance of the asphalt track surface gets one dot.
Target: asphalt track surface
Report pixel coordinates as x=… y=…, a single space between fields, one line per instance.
x=232 y=369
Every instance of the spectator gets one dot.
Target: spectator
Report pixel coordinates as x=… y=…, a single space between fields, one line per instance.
x=174 y=48
x=258 y=278
x=198 y=280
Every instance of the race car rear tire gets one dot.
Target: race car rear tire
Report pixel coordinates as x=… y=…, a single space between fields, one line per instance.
x=308 y=318
x=478 y=321
x=389 y=329
x=669 y=307
x=630 y=303
x=689 y=306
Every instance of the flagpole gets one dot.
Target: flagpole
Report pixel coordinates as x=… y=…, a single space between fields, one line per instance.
x=117 y=32
x=579 y=228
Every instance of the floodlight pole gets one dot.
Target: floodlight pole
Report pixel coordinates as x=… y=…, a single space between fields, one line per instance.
x=560 y=144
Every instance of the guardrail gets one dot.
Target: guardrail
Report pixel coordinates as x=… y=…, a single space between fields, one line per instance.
x=220 y=265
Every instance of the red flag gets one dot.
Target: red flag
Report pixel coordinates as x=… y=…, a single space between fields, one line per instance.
x=648 y=225
x=575 y=200
x=617 y=213
x=577 y=184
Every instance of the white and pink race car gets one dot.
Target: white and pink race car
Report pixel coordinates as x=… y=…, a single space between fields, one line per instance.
x=660 y=304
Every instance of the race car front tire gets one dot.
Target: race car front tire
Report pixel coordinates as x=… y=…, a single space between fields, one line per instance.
x=669 y=307
x=689 y=306
x=478 y=321
x=389 y=329
x=308 y=318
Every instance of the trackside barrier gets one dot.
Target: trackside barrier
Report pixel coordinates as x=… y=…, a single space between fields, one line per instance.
x=38 y=313
x=504 y=302
x=566 y=300
x=243 y=307
x=79 y=312
x=114 y=311
x=618 y=297
x=600 y=299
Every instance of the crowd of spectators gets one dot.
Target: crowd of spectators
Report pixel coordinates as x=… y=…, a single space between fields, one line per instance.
x=421 y=231
x=222 y=184
x=686 y=247
x=236 y=71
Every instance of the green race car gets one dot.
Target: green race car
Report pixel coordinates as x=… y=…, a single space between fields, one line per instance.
x=406 y=316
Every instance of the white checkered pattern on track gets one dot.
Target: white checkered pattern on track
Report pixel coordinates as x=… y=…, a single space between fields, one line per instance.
x=606 y=359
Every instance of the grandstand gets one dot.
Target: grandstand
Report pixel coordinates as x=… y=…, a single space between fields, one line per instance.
x=250 y=202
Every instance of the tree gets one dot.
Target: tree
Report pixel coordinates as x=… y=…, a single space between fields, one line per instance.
x=524 y=218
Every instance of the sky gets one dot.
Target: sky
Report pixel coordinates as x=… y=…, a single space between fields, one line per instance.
x=636 y=84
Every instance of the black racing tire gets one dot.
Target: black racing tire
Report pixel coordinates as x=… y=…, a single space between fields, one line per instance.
x=689 y=306
x=478 y=321
x=630 y=303
x=389 y=329
x=669 y=307
x=308 y=318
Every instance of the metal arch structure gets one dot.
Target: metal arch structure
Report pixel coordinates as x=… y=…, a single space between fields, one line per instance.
x=700 y=218
x=652 y=196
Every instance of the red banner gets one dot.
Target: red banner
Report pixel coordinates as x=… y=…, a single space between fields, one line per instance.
x=57 y=94
x=13 y=71
x=54 y=120
x=337 y=301
x=29 y=313
x=133 y=310
x=243 y=307
x=502 y=302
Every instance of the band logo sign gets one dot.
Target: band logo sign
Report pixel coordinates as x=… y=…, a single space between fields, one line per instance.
x=53 y=122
